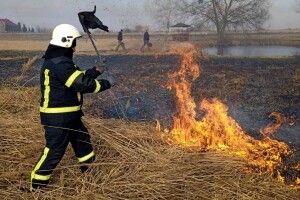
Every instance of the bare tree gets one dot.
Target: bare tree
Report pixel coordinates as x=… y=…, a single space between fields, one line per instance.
x=165 y=13
x=227 y=14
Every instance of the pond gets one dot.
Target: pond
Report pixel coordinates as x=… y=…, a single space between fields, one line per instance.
x=254 y=51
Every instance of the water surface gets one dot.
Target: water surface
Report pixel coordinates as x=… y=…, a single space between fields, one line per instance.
x=255 y=51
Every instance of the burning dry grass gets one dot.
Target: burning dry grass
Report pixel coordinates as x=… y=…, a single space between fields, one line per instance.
x=132 y=162
x=216 y=130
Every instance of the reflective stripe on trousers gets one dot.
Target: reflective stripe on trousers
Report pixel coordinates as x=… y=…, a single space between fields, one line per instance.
x=37 y=167
x=87 y=157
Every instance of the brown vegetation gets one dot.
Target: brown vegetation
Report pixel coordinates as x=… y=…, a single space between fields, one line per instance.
x=133 y=162
x=133 y=41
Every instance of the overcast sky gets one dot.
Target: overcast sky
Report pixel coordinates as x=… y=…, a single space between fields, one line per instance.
x=115 y=13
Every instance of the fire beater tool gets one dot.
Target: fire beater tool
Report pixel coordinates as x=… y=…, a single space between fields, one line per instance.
x=88 y=21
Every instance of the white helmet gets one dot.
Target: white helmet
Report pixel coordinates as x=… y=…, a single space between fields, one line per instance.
x=63 y=35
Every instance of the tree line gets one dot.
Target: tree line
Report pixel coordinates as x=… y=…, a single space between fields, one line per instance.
x=218 y=15
x=23 y=28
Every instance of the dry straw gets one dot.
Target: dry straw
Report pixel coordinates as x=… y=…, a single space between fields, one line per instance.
x=133 y=162
x=29 y=64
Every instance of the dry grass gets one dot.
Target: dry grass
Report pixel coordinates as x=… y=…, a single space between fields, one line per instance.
x=23 y=45
x=29 y=64
x=12 y=58
x=27 y=68
x=132 y=162
x=105 y=45
x=133 y=41
x=297 y=75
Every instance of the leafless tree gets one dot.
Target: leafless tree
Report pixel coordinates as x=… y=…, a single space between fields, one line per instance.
x=227 y=14
x=165 y=14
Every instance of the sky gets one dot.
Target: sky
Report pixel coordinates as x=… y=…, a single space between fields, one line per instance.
x=116 y=14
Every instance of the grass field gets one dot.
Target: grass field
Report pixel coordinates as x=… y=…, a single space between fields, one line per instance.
x=133 y=41
x=133 y=159
x=133 y=162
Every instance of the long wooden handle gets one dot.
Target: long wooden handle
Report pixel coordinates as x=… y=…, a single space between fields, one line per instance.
x=93 y=43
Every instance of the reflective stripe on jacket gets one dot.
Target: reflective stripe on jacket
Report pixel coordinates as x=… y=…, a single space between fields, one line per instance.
x=62 y=85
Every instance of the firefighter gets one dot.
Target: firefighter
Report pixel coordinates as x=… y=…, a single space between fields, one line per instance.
x=62 y=86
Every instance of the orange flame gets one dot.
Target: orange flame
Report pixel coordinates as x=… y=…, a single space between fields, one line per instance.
x=216 y=130
x=272 y=128
x=280 y=119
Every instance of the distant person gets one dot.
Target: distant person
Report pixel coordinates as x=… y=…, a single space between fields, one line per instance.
x=146 y=41
x=120 y=41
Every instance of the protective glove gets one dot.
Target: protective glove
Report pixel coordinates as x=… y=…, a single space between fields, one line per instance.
x=100 y=68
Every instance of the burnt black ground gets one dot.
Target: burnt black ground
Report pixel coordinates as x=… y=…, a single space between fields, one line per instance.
x=252 y=88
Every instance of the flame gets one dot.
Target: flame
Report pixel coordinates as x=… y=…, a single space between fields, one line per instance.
x=280 y=178
x=216 y=130
x=280 y=119
x=272 y=128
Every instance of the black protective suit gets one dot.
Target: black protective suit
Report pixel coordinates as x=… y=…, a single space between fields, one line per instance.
x=62 y=84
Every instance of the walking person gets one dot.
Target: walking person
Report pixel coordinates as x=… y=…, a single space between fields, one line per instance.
x=146 y=41
x=120 y=41
x=62 y=86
